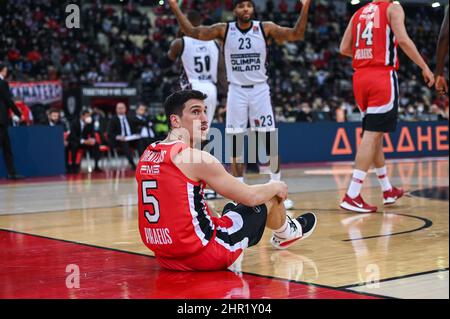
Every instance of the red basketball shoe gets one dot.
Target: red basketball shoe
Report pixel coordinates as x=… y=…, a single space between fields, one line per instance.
x=357 y=205
x=391 y=196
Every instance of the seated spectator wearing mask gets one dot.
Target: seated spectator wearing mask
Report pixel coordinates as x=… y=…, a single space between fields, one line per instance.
x=82 y=136
x=144 y=125
x=54 y=119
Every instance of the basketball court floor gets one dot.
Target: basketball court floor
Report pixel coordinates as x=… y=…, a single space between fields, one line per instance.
x=53 y=229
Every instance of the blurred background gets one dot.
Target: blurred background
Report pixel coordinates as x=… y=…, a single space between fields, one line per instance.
x=115 y=56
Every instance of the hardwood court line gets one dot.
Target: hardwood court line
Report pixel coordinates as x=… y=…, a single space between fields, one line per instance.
x=427 y=223
x=399 y=277
x=135 y=205
x=82 y=210
x=244 y=272
x=32 y=183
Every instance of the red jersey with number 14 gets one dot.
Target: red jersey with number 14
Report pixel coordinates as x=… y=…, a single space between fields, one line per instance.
x=374 y=43
x=174 y=219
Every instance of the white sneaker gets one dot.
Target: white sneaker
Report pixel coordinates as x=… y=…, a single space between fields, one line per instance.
x=301 y=228
x=288 y=204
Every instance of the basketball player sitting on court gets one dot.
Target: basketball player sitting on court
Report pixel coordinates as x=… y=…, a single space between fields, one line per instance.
x=371 y=40
x=175 y=221
x=245 y=51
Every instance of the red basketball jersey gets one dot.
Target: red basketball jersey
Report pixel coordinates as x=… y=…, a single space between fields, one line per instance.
x=174 y=219
x=374 y=43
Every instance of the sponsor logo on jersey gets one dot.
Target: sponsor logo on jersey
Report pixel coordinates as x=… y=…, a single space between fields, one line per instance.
x=153 y=156
x=255 y=29
x=202 y=49
x=150 y=169
x=244 y=62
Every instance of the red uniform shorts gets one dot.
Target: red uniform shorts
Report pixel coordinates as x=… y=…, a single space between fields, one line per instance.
x=239 y=227
x=376 y=93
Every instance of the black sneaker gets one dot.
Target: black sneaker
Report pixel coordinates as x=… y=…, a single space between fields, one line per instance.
x=302 y=227
x=308 y=222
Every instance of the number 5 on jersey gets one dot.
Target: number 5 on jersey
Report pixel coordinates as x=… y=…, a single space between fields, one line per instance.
x=148 y=199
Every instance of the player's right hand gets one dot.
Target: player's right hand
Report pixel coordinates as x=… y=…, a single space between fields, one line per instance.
x=441 y=85
x=428 y=77
x=282 y=190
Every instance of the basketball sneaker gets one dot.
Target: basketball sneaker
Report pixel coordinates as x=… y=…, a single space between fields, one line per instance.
x=211 y=194
x=357 y=205
x=301 y=228
x=391 y=196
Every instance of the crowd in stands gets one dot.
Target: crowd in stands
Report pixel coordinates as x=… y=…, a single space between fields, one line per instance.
x=310 y=80
x=122 y=133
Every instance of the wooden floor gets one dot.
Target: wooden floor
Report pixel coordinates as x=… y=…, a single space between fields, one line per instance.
x=401 y=251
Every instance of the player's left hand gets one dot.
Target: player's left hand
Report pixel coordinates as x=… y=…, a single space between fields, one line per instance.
x=441 y=85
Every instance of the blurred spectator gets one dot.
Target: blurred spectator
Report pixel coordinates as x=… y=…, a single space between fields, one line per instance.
x=125 y=43
x=122 y=134
x=144 y=126
x=82 y=137
x=100 y=124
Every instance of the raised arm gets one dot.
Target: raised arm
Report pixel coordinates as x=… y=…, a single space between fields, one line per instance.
x=346 y=43
x=206 y=33
x=396 y=17
x=282 y=34
x=199 y=165
x=441 y=55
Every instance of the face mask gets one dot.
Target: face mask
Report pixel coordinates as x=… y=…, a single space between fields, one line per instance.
x=88 y=120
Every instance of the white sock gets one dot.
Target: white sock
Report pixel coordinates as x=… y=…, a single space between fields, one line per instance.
x=284 y=231
x=275 y=176
x=355 y=186
x=383 y=178
x=240 y=178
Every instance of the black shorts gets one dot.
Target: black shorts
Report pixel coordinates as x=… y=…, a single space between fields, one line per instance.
x=386 y=122
x=249 y=222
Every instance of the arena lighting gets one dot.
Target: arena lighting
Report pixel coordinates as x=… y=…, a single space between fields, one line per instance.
x=161 y=2
x=435 y=4
x=355 y=2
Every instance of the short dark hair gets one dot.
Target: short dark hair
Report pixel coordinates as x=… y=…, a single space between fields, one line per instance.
x=236 y=2
x=2 y=66
x=53 y=110
x=175 y=103
x=85 y=111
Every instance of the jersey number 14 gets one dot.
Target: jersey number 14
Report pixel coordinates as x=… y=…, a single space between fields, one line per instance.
x=367 y=34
